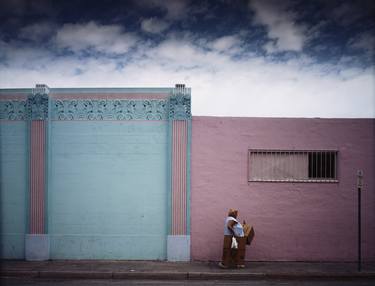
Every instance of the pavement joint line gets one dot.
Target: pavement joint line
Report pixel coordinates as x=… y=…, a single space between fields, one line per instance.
x=25 y=273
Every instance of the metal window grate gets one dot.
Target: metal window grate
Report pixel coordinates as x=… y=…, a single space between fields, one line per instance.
x=292 y=166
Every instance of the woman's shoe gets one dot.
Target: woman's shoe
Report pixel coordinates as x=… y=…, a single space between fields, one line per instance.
x=240 y=266
x=221 y=265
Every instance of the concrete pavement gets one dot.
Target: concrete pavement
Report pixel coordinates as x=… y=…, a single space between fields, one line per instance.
x=159 y=270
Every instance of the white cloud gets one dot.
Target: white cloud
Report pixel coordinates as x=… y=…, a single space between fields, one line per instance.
x=280 y=24
x=101 y=38
x=22 y=57
x=220 y=85
x=178 y=51
x=154 y=25
x=226 y=43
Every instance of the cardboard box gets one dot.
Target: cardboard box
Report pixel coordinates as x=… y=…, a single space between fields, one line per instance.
x=249 y=233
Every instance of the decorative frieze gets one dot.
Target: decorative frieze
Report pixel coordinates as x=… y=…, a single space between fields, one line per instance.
x=39 y=106
x=108 y=109
x=36 y=108
x=31 y=107
x=13 y=110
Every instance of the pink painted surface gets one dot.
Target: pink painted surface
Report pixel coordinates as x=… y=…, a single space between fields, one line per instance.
x=13 y=96
x=179 y=144
x=37 y=134
x=292 y=221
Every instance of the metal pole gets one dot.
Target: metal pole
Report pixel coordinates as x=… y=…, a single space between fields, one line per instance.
x=359 y=229
x=359 y=189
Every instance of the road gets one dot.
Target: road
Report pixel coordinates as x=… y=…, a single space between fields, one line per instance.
x=66 y=282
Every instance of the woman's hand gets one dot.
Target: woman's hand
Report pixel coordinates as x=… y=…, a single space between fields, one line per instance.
x=230 y=226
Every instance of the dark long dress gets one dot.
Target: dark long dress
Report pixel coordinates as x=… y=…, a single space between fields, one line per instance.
x=233 y=257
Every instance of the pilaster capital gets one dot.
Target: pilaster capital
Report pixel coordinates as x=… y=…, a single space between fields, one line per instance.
x=37 y=103
x=180 y=103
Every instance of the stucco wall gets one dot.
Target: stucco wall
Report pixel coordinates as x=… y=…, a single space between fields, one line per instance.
x=108 y=190
x=13 y=188
x=292 y=221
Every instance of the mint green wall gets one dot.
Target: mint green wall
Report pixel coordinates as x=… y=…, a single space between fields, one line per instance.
x=108 y=189
x=13 y=188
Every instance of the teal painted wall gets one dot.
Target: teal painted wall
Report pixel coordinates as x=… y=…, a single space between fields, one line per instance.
x=13 y=188
x=108 y=189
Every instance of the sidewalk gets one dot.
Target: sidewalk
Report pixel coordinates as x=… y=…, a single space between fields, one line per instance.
x=101 y=269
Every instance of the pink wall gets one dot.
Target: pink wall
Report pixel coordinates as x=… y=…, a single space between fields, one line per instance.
x=292 y=221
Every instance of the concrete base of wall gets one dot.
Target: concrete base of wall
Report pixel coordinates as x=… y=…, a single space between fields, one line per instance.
x=36 y=247
x=178 y=248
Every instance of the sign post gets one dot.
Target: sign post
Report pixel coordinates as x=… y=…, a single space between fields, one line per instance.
x=359 y=189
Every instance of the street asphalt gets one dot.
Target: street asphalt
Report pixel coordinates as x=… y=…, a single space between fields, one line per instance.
x=13 y=281
x=162 y=270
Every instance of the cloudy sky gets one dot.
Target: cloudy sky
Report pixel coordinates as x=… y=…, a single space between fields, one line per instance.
x=294 y=58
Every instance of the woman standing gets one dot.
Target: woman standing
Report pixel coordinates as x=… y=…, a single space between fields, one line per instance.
x=232 y=228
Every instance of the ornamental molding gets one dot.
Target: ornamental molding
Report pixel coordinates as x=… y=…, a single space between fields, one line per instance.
x=13 y=110
x=37 y=107
x=34 y=107
x=37 y=103
x=109 y=109
x=180 y=103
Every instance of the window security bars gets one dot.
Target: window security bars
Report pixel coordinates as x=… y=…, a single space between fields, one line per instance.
x=292 y=166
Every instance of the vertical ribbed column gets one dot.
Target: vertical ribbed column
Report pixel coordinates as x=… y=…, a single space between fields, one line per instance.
x=37 y=240
x=179 y=177
x=37 y=176
x=178 y=245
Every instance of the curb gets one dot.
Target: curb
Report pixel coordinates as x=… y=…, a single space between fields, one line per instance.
x=279 y=276
x=224 y=276
x=151 y=275
x=185 y=275
x=75 y=274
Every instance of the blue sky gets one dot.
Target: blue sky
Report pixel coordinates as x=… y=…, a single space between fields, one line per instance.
x=241 y=58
